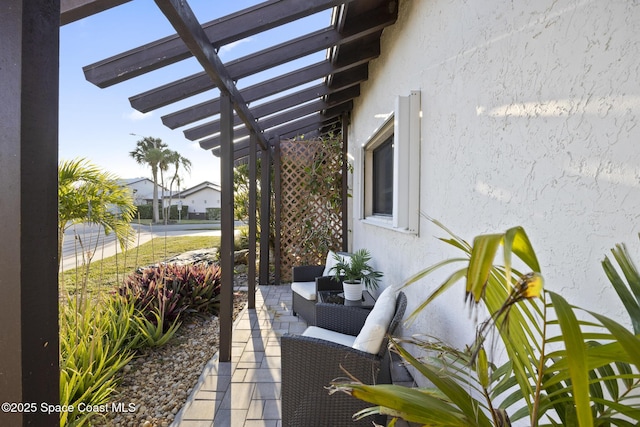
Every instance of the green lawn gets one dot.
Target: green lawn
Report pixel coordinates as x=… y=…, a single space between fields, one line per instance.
x=105 y=274
x=184 y=221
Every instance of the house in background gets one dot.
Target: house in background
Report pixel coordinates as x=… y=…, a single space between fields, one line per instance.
x=199 y=198
x=487 y=115
x=142 y=189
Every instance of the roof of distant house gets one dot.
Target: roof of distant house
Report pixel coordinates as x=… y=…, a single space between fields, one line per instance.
x=199 y=187
x=132 y=181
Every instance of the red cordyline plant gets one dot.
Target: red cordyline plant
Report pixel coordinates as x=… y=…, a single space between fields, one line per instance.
x=174 y=289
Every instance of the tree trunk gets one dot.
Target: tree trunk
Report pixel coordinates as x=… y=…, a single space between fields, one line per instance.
x=156 y=218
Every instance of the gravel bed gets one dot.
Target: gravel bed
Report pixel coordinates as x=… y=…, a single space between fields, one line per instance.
x=159 y=380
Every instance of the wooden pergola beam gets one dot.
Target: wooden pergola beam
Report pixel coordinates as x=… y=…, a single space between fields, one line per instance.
x=231 y=28
x=297 y=127
x=290 y=115
x=74 y=10
x=278 y=84
x=186 y=25
x=259 y=111
x=308 y=106
x=290 y=50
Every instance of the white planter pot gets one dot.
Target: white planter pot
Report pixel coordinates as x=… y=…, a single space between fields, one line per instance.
x=353 y=291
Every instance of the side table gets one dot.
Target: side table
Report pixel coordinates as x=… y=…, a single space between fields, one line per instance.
x=335 y=313
x=337 y=297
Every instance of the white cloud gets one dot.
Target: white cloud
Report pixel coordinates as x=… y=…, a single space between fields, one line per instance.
x=135 y=115
x=229 y=47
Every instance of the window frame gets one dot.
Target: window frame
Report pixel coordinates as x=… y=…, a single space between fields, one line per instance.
x=380 y=137
x=404 y=125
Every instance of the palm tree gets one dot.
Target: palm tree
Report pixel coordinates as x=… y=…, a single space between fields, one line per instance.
x=153 y=152
x=88 y=194
x=177 y=160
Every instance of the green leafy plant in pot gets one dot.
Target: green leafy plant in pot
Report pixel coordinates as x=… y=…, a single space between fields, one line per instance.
x=356 y=273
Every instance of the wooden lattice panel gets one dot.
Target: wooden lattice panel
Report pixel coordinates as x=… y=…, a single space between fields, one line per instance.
x=311 y=209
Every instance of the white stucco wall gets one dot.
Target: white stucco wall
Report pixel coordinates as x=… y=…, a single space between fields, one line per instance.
x=142 y=191
x=531 y=116
x=199 y=201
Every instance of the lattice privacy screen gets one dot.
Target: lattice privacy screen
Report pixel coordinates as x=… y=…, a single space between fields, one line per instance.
x=311 y=210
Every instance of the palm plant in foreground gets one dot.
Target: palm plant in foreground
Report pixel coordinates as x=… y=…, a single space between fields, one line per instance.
x=87 y=194
x=565 y=365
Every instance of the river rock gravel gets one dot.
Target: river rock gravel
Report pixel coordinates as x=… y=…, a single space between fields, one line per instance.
x=159 y=380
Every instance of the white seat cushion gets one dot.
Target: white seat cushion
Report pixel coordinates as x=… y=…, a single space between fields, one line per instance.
x=327 y=335
x=306 y=290
x=375 y=327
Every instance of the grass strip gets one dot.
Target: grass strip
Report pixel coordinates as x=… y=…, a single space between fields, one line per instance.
x=104 y=274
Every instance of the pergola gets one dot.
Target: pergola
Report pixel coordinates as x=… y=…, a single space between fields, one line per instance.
x=310 y=101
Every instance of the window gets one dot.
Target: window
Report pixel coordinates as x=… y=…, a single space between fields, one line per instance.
x=382 y=187
x=391 y=195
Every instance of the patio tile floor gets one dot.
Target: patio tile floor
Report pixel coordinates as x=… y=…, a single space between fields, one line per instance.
x=246 y=391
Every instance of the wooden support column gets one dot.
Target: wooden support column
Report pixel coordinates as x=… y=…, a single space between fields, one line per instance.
x=227 y=227
x=29 y=366
x=265 y=208
x=253 y=191
x=345 y=182
x=277 y=191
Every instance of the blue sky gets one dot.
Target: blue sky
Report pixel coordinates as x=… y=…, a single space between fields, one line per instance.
x=96 y=123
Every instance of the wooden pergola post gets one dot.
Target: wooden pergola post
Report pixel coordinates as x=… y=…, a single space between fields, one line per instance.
x=265 y=208
x=227 y=227
x=277 y=194
x=29 y=366
x=253 y=191
x=345 y=182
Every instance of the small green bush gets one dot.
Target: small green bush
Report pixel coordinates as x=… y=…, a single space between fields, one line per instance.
x=173 y=212
x=154 y=333
x=145 y=211
x=96 y=340
x=213 y=214
x=242 y=240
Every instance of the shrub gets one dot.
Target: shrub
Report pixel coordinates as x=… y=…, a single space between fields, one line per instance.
x=96 y=341
x=173 y=212
x=145 y=211
x=213 y=214
x=154 y=333
x=173 y=289
x=241 y=241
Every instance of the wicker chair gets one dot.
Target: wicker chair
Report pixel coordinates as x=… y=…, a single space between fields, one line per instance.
x=310 y=364
x=307 y=280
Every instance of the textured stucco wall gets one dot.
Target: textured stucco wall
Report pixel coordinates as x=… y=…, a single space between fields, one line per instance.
x=199 y=202
x=531 y=114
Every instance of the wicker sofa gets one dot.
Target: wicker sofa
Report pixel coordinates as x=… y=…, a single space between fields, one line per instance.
x=310 y=363
x=307 y=280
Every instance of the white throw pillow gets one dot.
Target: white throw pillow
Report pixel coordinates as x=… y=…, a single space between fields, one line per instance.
x=331 y=262
x=375 y=327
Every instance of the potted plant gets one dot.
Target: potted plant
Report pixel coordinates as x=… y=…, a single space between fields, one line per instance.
x=356 y=273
